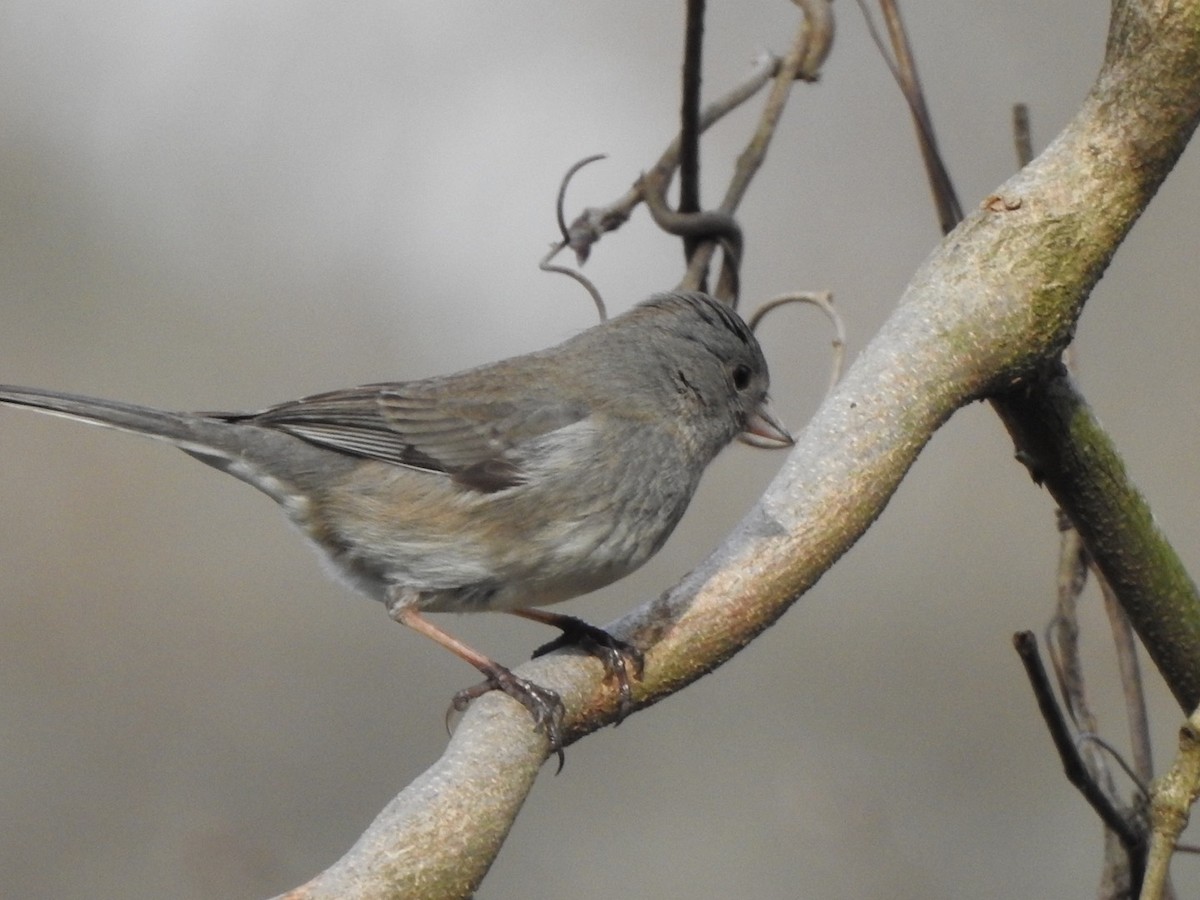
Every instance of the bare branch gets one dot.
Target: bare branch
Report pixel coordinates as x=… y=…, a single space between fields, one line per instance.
x=945 y=198
x=1170 y=804
x=1121 y=869
x=1076 y=770
x=810 y=47
x=1131 y=683
x=903 y=67
x=689 y=117
x=1064 y=629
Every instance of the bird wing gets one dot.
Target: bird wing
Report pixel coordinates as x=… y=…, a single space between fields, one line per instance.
x=476 y=442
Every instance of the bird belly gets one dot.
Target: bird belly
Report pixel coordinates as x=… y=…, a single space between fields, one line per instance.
x=459 y=550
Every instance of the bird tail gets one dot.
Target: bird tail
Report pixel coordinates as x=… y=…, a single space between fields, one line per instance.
x=264 y=458
x=189 y=432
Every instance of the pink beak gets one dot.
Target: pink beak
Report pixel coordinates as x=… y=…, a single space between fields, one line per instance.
x=763 y=424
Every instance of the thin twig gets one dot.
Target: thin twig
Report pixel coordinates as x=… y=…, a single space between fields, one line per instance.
x=1073 y=766
x=689 y=118
x=594 y=222
x=904 y=70
x=1062 y=643
x=1022 y=134
x=812 y=41
x=1063 y=630
x=1086 y=737
x=1131 y=683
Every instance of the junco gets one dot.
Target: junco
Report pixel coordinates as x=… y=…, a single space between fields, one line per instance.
x=505 y=487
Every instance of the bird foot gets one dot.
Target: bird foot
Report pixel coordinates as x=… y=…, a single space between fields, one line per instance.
x=543 y=704
x=620 y=658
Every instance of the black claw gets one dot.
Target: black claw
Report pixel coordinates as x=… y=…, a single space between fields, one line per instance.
x=543 y=704
x=618 y=656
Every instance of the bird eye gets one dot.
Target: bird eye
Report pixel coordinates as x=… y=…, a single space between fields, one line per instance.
x=741 y=377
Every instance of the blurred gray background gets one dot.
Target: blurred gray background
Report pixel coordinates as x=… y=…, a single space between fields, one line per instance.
x=226 y=205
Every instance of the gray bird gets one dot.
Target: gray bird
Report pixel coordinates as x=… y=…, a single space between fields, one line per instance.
x=504 y=487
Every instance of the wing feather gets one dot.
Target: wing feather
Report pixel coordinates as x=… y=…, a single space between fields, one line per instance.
x=477 y=443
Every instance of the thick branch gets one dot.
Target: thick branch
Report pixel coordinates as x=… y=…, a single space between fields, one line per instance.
x=991 y=304
x=1069 y=451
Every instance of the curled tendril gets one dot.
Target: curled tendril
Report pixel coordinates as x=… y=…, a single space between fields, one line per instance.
x=823 y=300
x=546 y=266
